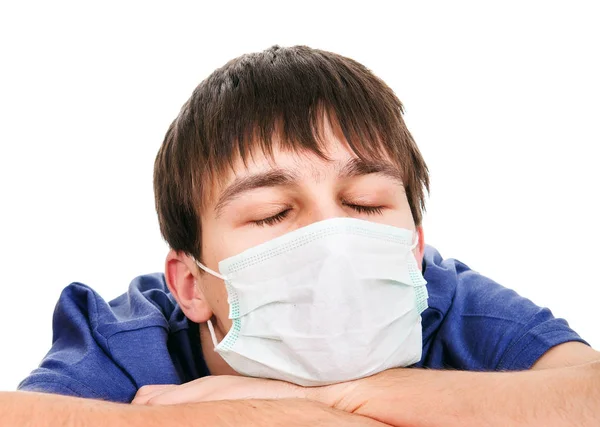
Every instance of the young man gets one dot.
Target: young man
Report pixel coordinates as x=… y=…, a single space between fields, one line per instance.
x=299 y=283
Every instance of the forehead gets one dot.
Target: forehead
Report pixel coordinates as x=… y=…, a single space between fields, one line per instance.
x=332 y=154
x=303 y=162
x=335 y=154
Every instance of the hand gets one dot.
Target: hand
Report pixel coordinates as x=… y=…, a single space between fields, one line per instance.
x=219 y=387
x=288 y=404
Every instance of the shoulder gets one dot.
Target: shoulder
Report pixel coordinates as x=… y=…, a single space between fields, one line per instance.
x=443 y=276
x=457 y=290
x=103 y=349
x=474 y=323
x=146 y=303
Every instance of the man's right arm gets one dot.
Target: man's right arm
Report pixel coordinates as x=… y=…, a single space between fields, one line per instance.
x=40 y=409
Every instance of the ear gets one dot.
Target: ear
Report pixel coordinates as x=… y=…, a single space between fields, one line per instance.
x=181 y=274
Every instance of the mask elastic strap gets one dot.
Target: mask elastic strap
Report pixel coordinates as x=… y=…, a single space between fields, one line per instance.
x=209 y=271
x=211 y=329
x=414 y=245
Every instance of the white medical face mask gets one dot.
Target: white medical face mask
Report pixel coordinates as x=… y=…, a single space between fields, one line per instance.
x=334 y=301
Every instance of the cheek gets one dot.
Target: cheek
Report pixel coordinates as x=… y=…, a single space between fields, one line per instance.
x=216 y=296
x=216 y=247
x=236 y=241
x=221 y=310
x=401 y=218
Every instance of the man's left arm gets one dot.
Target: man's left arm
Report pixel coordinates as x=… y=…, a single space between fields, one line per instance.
x=562 y=389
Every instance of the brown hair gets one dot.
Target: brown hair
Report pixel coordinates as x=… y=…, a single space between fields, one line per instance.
x=282 y=91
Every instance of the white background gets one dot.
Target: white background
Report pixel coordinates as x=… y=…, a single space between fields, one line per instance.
x=502 y=98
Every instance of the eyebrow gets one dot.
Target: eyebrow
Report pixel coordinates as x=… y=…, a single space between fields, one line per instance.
x=272 y=178
x=283 y=177
x=358 y=167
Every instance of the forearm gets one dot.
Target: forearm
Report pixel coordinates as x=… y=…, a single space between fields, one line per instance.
x=426 y=398
x=40 y=409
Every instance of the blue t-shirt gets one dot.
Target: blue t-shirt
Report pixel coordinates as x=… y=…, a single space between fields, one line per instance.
x=109 y=350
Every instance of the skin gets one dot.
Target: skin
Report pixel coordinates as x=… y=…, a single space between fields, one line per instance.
x=41 y=409
x=318 y=189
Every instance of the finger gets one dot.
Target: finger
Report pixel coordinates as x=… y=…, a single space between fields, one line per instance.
x=186 y=393
x=146 y=393
x=147 y=389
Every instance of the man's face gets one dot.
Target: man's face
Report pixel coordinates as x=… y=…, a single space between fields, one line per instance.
x=265 y=199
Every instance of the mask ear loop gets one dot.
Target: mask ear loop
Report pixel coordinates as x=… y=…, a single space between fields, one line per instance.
x=414 y=245
x=209 y=271
x=213 y=336
x=211 y=328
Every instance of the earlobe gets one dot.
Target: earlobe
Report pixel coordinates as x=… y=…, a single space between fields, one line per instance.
x=181 y=275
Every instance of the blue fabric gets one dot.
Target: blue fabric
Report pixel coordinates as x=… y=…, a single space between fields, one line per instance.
x=108 y=350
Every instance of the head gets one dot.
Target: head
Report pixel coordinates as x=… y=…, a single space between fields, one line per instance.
x=271 y=142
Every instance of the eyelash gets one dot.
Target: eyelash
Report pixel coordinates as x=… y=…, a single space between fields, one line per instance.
x=370 y=210
x=272 y=220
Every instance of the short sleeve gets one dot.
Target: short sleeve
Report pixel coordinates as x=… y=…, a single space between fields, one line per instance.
x=79 y=362
x=483 y=326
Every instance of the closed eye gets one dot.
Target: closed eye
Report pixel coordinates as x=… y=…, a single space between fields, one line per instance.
x=277 y=218
x=272 y=220
x=369 y=210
